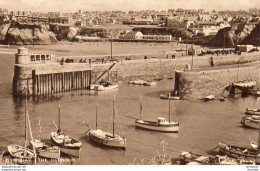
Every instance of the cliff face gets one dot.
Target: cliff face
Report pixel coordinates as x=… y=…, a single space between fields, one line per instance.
x=231 y=36
x=29 y=34
x=3 y=31
x=254 y=37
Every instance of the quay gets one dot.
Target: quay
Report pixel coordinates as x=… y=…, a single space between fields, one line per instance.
x=42 y=74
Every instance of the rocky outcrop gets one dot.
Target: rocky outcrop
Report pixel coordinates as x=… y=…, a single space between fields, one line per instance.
x=64 y=32
x=3 y=31
x=29 y=34
x=231 y=36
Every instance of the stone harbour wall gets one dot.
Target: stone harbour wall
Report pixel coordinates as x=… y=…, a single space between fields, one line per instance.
x=199 y=84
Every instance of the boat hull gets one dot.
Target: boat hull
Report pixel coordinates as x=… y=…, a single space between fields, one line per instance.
x=45 y=151
x=255 y=124
x=102 y=88
x=17 y=153
x=70 y=149
x=109 y=142
x=142 y=82
x=252 y=111
x=160 y=128
x=231 y=152
x=48 y=153
x=169 y=97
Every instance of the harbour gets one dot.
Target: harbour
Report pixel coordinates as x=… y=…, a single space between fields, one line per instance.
x=202 y=124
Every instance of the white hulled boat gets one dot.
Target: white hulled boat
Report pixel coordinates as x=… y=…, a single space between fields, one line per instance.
x=68 y=145
x=106 y=86
x=245 y=84
x=251 y=121
x=209 y=97
x=171 y=96
x=22 y=154
x=160 y=125
x=143 y=82
x=106 y=138
x=250 y=111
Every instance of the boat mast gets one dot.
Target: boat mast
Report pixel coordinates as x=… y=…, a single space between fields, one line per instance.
x=258 y=145
x=25 y=126
x=30 y=129
x=59 y=118
x=114 y=117
x=141 y=108
x=40 y=130
x=169 y=110
x=96 y=114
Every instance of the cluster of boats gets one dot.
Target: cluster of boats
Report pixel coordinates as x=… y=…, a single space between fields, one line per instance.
x=252 y=118
x=35 y=149
x=190 y=158
x=64 y=144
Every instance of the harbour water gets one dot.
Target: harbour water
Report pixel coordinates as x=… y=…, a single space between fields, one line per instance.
x=202 y=124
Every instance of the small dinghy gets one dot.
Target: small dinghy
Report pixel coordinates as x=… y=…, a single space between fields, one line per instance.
x=173 y=95
x=45 y=151
x=251 y=121
x=207 y=98
x=250 y=111
x=143 y=82
x=106 y=86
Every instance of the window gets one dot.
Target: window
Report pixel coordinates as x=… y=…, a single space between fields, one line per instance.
x=32 y=57
x=42 y=57
x=37 y=57
x=47 y=57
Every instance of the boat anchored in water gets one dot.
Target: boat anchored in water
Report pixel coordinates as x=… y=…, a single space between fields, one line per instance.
x=43 y=150
x=209 y=97
x=245 y=84
x=22 y=154
x=106 y=138
x=251 y=121
x=190 y=158
x=68 y=145
x=248 y=154
x=143 y=82
x=250 y=111
x=161 y=124
x=171 y=96
x=107 y=85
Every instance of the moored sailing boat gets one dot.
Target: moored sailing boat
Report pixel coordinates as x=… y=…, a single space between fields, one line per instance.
x=106 y=138
x=43 y=150
x=22 y=154
x=67 y=144
x=160 y=125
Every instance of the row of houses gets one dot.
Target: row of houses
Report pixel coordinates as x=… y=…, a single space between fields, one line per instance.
x=139 y=36
x=205 y=28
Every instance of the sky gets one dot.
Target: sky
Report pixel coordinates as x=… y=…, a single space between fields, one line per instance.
x=125 y=5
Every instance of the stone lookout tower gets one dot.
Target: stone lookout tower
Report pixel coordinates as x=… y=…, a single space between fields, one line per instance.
x=22 y=57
